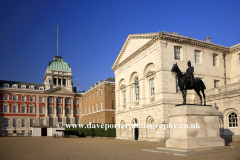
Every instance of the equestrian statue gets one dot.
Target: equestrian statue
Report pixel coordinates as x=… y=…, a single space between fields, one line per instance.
x=188 y=82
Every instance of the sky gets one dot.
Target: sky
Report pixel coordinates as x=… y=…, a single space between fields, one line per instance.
x=92 y=32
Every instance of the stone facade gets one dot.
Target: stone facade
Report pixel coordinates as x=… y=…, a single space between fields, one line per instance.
x=98 y=103
x=146 y=90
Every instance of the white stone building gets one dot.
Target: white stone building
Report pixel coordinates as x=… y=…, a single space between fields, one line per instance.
x=146 y=90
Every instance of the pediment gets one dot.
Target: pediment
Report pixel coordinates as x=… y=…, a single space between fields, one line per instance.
x=133 y=43
x=59 y=90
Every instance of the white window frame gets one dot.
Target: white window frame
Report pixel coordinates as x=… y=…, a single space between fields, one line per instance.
x=41 y=99
x=124 y=97
x=89 y=97
x=101 y=105
x=101 y=120
x=93 y=108
x=101 y=91
x=67 y=100
x=177 y=53
x=16 y=109
x=25 y=109
x=92 y=120
x=31 y=87
x=197 y=56
x=23 y=86
x=50 y=110
x=97 y=93
x=23 y=98
x=152 y=128
x=23 y=123
x=7 y=97
x=233 y=122
x=32 y=122
x=41 y=110
x=6 y=85
x=31 y=100
x=96 y=107
x=152 y=87
x=85 y=110
x=7 y=107
x=14 y=96
x=50 y=99
x=215 y=59
x=136 y=89
x=89 y=111
x=14 y=123
x=41 y=88
x=93 y=95
x=59 y=110
x=97 y=120
x=59 y=100
x=76 y=101
x=33 y=109
x=14 y=86
x=68 y=111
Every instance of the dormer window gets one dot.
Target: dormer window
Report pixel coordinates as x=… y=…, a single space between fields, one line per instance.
x=6 y=85
x=41 y=88
x=14 y=86
x=23 y=87
x=31 y=87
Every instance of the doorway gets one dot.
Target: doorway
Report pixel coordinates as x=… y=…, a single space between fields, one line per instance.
x=44 y=131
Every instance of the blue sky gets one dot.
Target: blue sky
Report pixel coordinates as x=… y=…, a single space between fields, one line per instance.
x=92 y=32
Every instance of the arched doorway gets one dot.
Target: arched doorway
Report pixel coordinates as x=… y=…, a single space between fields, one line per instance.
x=135 y=129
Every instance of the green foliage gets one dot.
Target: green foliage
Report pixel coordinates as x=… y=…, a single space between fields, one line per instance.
x=97 y=130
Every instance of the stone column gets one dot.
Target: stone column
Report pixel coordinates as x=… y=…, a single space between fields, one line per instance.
x=64 y=112
x=55 y=118
x=46 y=112
x=37 y=119
x=72 y=121
x=61 y=81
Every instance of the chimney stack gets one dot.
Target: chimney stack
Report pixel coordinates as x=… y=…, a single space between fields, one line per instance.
x=208 y=39
x=175 y=33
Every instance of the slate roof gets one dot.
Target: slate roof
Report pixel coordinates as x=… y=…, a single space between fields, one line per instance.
x=110 y=79
x=36 y=85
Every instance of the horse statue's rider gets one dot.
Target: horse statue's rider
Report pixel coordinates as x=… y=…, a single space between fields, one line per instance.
x=190 y=75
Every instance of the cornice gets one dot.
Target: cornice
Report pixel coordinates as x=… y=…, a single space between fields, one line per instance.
x=171 y=38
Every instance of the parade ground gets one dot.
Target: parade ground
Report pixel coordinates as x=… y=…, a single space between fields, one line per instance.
x=93 y=148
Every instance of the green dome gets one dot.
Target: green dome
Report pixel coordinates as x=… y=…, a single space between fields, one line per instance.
x=58 y=64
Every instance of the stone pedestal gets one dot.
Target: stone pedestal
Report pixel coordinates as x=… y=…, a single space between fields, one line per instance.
x=196 y=127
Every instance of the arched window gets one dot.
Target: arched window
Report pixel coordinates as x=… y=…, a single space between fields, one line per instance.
x=152 y=126
x=136 y=89
x=232 y=120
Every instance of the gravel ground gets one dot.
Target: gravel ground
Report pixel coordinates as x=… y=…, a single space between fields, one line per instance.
x=93 y=148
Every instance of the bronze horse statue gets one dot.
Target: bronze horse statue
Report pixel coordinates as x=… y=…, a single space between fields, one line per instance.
x=184 y=84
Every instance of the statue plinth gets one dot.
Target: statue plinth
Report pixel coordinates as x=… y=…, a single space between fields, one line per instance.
x=197 y=127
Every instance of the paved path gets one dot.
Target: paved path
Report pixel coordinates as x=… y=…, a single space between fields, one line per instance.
x=92 y=148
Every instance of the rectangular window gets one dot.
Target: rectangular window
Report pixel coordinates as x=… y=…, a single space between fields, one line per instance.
x=89 y=121
x=31 y=99
x=89 y=109
x=68 y=110
x=89 y=96
x=42 y=99
x=6 y=85
x=50 y=110
x=101 y=91
x=5 y=108
x=23 y=109
x=97 y=107
x=5 y=97
x=85 y=98
x=102 y=120
x=14 y=86
x=97 y=120
x=113 y=89
x=31 y=109
x=23 y=87
x=23 y=98
x=197 y=56
x=92 y=108
x=59 y=100
x=31 y=87
x=101 y=106
x=51 y=122
x=92 y=120
x=92 y=95
x=23 y=131
x=152 y=89
x=215 y=59
x=76 y=111
x=41 y=109
x=177 y=53
x=76 y=120
x=96 y=93
x=23 y=123
x=68 y=101
x=14 y=123
x=5 y=122
x=124 y=97
x=75 y=101
x=15 y=109
x=50 y=100
x=59 y=110
x=42 y=122
x=14 y=97
x=31 y=122
x=85 y=110
x=216 y=83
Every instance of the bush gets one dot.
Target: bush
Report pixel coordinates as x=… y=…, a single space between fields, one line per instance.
x=97 y=130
